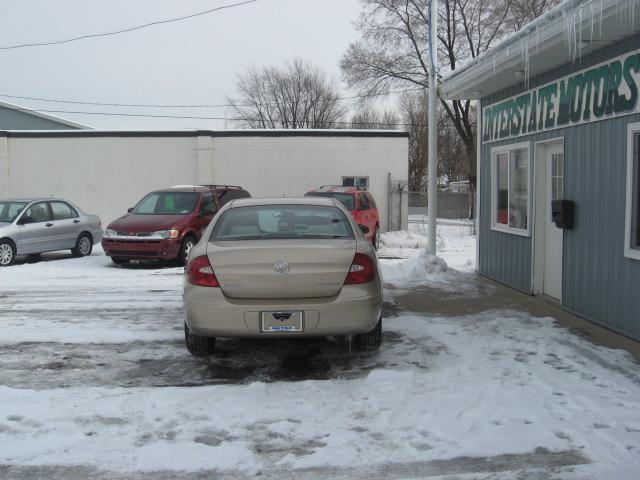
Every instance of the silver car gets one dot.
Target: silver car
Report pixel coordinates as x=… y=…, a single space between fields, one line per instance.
x=294 y=267
x=36 y=225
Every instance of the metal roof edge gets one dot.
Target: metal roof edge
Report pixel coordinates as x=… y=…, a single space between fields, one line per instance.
x=543 y=33
x=35 y=113
x=203 y=133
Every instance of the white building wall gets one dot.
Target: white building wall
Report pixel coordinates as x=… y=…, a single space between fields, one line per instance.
x=291 y=166
x=102 y=175
x=107 y=175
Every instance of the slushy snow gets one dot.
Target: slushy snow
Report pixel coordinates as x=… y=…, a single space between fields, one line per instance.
x=92 y=353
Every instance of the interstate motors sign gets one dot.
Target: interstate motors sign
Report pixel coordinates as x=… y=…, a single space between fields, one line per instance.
x=606 y=90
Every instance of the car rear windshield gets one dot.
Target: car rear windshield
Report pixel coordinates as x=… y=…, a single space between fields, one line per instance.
x=10 y=210
x=167 y=203
x=346 y=199
x=281 y=222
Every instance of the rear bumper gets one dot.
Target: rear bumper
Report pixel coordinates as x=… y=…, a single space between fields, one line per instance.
x=356 y=309
x=96 y=235
x=142 y=249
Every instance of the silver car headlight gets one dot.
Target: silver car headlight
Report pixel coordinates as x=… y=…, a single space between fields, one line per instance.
x=166 y=234
x=110 y=233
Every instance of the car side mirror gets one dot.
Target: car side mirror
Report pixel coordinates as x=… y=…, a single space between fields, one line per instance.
x=364 y=229
x=25 y=220
x=129 y=210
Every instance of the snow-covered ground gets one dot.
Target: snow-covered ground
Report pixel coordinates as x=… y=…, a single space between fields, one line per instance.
x=95 y=383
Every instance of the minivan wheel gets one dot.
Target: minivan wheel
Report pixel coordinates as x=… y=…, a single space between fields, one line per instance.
x=187 y=244
x=198 y=346
x=84 y=246
x=368 y=342
x=7 y=253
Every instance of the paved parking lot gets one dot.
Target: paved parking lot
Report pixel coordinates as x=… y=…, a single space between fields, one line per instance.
x=95 y=382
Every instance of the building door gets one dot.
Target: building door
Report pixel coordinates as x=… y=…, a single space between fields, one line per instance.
x=553 y=236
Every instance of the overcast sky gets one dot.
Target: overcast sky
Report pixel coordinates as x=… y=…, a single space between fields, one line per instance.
x=194 y=61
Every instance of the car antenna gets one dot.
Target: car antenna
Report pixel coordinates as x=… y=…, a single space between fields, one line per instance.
x=54 y=192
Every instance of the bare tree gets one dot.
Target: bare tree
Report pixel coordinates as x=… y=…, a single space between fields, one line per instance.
x=525 y=11
x=453 y=163
x=366 y=117
x=297 y=96
x=393 y=49
x=414 y=114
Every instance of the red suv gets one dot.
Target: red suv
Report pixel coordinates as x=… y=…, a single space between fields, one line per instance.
x=166 y=224
x=359 y=202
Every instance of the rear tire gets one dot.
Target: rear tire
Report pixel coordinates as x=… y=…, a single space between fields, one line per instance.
x=7 y=253
x=84 y=245
x=119 y=261
x=368 y=342
x=187 y=244
x=198 y=346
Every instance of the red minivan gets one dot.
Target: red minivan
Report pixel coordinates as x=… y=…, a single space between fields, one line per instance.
x=359 y=202
x=167 y=223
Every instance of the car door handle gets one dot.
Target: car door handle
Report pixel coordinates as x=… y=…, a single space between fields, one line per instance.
x=76 y=221
x=48 y=224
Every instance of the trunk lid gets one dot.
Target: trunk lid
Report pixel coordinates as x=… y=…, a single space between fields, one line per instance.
x=247 y=268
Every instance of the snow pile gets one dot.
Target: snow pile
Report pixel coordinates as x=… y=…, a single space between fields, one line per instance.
x=404 y=239
x=456 y=248
x=420 y=269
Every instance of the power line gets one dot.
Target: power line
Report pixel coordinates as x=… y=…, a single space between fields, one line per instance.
x=197 y=117
x=152 y=105
x=127 y=29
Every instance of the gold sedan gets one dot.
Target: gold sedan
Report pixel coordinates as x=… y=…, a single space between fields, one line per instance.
x=295 y=267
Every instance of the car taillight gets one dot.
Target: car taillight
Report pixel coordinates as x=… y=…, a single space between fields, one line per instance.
x=200 y=272
x=362 y=270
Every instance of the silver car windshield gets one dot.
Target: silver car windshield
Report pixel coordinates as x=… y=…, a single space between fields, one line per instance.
x=10 y=210
x=166 y=203
x=281 y=222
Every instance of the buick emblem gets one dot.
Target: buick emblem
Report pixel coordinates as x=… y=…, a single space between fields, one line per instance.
x=281 y=267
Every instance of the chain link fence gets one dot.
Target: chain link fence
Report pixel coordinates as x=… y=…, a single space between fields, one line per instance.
x=455 y=213
x=445 y=228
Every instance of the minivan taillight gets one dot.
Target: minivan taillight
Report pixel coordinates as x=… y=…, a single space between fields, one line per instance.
x=200 y=272
x=362 y=270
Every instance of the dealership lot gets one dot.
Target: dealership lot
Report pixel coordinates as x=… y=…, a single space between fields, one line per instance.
x=95 y=381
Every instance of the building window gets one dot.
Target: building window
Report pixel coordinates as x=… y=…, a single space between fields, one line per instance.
x=362 y=182
x=510 y=180
x=632 y=237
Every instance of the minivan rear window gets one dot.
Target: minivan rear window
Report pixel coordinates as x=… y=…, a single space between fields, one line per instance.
x=266 y=222
x=167 y=203
x=346 y=199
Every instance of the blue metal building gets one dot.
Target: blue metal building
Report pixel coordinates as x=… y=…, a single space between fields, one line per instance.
x=13 y=117
x=558 y=158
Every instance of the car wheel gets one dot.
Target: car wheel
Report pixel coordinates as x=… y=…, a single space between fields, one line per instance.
x=119 y=261
x=187 y=244
x=198 y=346
x=84 y=246
x=7 y=253
x=376 y=238
x=368 y=342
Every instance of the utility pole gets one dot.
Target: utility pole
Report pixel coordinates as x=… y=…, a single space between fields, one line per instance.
x=432 y=123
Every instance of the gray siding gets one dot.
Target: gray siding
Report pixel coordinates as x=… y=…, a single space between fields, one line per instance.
x=11 y=119
x=599 y=282
x=503 y=256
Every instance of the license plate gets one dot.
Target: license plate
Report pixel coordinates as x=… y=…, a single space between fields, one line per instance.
x=282 y=321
